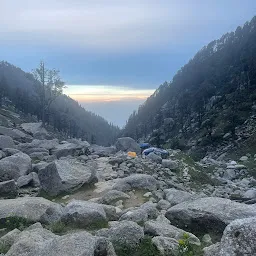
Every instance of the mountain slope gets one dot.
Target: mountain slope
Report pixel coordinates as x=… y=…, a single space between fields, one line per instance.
x=208 y=101
x=66 y=115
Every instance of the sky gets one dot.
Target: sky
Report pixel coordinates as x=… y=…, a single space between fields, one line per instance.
x=113 y=54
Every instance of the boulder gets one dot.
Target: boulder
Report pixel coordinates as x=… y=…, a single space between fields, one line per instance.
x=167 y=163
x=127 y=144
x=20 y=160
x=65 y=175
x=166 y=246
x=136 y=181
x=249 y=194
x=208 y=214
x=154 y=158
x=244 y=158
x=33 y=209
x=8 y=171
x=28 y=180
x=14 y=134
x=102 y=151
x=41 y=242
x=36 y=129
x=239 y=238
x=175 y=196
x=84 y=214
x=123 y=233
x=161 y=227
x=67 y=149
x=33 y=146
x=6 y=142
x=8 y=189
x=112 y=196
x=10 y=238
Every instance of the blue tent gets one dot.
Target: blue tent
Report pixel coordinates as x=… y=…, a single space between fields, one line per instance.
x=144 y=145
x=157 y=151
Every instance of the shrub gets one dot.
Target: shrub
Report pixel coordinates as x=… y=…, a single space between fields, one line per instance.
x=13 y=222
x=185 y=248
x=57 y=227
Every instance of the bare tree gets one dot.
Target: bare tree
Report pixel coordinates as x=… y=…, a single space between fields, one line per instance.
x=48 y=88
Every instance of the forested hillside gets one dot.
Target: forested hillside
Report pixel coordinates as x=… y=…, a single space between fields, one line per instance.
x=209 y=99
x=65 y=115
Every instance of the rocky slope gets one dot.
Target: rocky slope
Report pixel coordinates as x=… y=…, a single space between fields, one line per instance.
x=209 y=106
x=73 y=198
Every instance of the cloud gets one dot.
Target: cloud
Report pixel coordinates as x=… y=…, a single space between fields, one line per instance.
x=103 y=93
x=96 y=24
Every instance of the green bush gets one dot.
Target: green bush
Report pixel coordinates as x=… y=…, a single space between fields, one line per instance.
x=13 y=222
x=57 y=227
x=185 y=248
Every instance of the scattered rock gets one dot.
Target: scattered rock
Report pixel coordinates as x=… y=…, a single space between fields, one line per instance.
x=123 y=233
x=208 y=214
x=32 y=208
x=239 y=238
x=65 y=175
x=166 y=246
x=127 y=144
x=84 y=214
x=136 y=181
x=8 y=189
x=154 y=158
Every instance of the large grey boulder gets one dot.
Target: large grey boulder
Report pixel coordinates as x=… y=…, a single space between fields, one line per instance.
x=154 y=158
x=112 y=196
x=136 y=181
x=127 y=144
x=175 y=196
x=84 y=214
x=8 y=189
x=162 y=227
x=35 y=144
x=41 y=242
x=14 y=166
x=10 y=238
x=32 y=208
x=123 y=233
x=6 y=142
x=141 y=214
x=239 y=238
x=36 y=129
x=28 y=180
x=208 y=214
x=68 y=149
x=14 y=134
x=8 y=171
x=168 y=163
x=65 y=175
x=102 y=151
x=166 y=246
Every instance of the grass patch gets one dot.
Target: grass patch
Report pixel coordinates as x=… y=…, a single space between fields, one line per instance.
x=58 y=227
x=13 y=222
